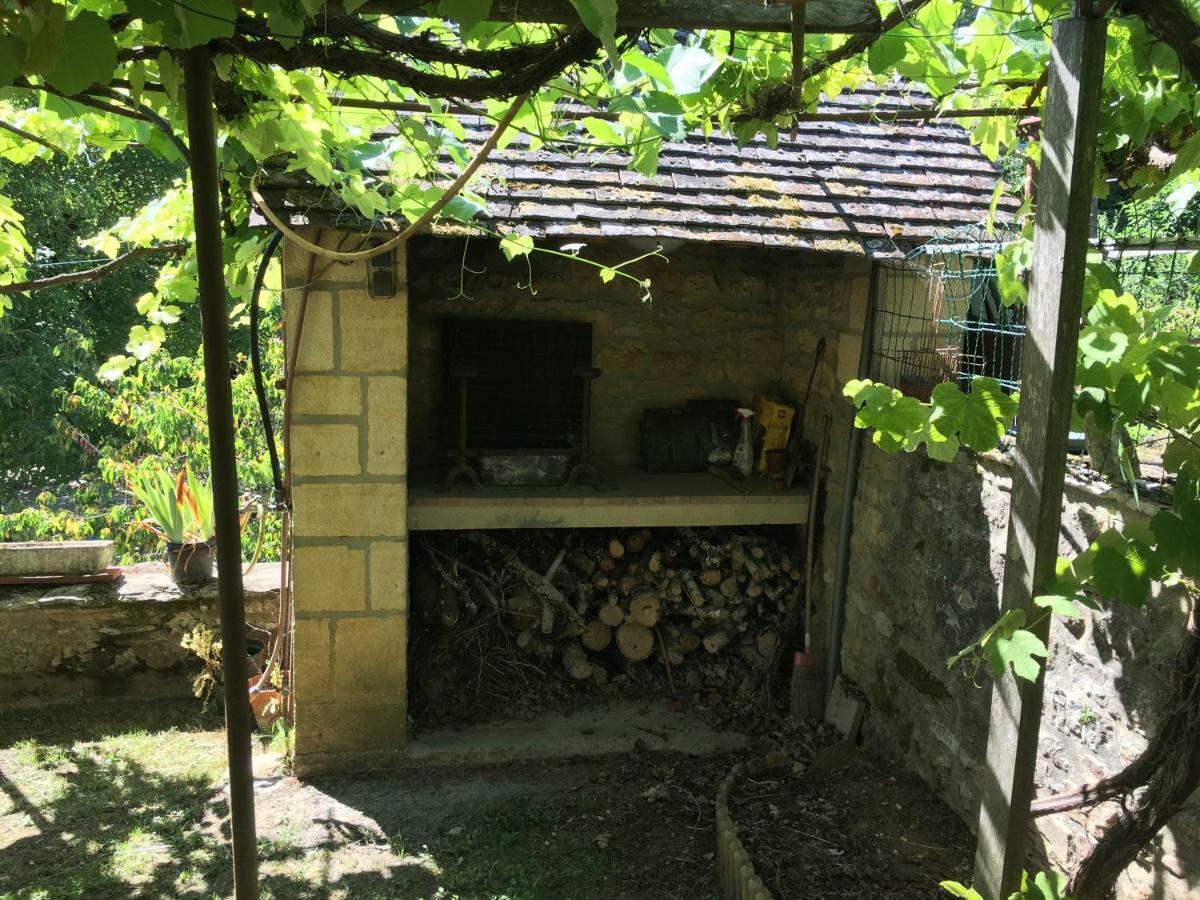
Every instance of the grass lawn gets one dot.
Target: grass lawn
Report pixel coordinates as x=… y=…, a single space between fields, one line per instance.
x=130 y=802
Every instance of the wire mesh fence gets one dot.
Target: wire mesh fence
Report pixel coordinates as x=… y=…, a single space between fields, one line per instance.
x=940 y=317
x=1153 y=251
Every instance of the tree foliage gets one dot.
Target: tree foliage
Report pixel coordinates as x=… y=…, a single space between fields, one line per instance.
x=65 y=333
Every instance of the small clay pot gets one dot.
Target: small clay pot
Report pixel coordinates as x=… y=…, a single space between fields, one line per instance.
x=777 y=464
x=190 y=563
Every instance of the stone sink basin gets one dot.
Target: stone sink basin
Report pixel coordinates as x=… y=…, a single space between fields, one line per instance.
x=54 y=557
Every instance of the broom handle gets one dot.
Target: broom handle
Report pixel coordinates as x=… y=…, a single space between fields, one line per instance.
x=811 y=543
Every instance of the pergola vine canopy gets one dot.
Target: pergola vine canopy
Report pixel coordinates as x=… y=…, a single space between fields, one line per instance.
x=306 y=86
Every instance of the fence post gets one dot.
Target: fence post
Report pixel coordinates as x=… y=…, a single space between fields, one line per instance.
x=1047 y=391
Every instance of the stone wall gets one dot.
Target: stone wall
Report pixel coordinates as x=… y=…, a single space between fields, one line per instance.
x=715 y=326
x=927 y=558
x=118 y=641
x=723 y=322
x=349 y=465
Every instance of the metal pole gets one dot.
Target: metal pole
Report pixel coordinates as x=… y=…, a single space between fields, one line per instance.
x=219 y=400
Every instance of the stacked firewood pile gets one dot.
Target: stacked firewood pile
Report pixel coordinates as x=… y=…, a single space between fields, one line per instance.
x=697 y=610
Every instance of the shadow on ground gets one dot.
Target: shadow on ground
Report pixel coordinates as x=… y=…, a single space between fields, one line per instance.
x=134 y=806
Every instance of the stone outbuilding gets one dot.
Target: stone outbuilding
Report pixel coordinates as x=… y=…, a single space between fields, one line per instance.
x=764 y=277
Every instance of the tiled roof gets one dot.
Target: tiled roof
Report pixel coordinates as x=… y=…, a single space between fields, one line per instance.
x=834 y=185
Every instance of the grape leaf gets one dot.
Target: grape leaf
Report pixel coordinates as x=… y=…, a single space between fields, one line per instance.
x=689 y=68
x=600 y=18
x=956 y=889
x=89 y=55
x=979 y=418
x=467 y=13
x=1178 y=534
x=513 y=245
x=1060 y=605
x=1017 y=651
x=897 y=419
x=188 y=25
x=1121 y=575
x=645 y=157
x=43 y=29
x=886 y=52
x=12 y=51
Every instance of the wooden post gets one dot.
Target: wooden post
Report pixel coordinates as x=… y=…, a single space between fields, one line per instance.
x=1047 y=391
x=799 y=23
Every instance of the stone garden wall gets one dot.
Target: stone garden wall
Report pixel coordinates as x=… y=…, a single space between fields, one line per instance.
x=927 y=559
x=119 y=641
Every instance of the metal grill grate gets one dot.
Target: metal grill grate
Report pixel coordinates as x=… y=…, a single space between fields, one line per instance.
x=526 y=395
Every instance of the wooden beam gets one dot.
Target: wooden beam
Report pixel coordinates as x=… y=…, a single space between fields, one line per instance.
x=1047 y=389
x=799 y=27
x=823 y=16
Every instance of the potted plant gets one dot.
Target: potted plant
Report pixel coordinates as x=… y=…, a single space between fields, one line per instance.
x=181 y=510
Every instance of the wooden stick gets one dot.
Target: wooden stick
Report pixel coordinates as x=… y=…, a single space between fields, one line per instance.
x=532 y=579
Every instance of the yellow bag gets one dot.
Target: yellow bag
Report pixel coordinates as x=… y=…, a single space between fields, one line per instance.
x=774 y=421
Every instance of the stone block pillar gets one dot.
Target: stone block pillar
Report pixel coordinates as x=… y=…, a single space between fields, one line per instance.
x=349 y=454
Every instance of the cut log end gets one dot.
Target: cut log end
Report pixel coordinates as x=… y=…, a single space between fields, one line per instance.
x=636 y=642
x=644 y=609
x=611 y=615
x=597 y=635
x=716 y=641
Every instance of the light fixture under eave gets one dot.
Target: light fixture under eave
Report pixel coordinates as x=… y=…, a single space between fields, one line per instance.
x=381 y=275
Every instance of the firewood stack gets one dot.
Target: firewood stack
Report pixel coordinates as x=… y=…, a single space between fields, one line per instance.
x=697 y=609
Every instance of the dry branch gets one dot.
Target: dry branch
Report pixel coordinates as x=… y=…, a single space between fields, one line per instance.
x=95 y=274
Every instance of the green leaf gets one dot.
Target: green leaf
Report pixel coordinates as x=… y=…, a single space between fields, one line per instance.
x=89 y=55
x=898 y=420
x=602 y=131
x=1102 y=345
x=285 y=19
x=1017 y=651
x=979 y=418
x=607 y=274
x=1178 y=535
x=886 y=52
x=940 y=446
x=689 y=67
x=1060 y=605
x=191 y=24
x=1187 y=158
x=467 y=13
x=43 y=28
x=1050 y=886
x=955 y=889
x=513 y=245
x=1011 y=265
x=114 y=367
x=12 y=51
x=600 y=18
x=1131 y=395
x=1120 y=573
x=645 y=157
x=171 y=75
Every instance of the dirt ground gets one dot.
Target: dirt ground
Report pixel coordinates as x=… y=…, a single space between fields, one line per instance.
x=127 y=803
x=843 y=827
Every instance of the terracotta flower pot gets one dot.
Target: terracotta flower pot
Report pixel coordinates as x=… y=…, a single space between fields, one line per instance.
x=266 y=703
